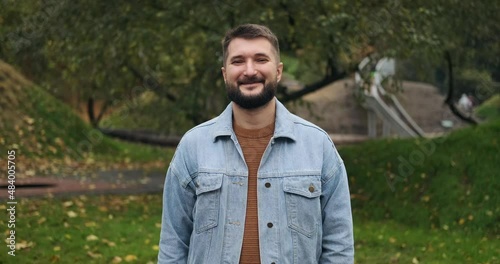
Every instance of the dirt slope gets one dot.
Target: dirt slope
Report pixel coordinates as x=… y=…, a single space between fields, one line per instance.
x=336 y=110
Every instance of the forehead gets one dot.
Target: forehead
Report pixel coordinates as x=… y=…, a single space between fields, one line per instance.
x=249 y=47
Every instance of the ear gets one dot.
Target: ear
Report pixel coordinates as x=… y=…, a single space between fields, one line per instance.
x=279 y=71
x=223 y=73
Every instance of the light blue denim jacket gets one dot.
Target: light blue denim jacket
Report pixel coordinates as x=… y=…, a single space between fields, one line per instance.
x=304 y=206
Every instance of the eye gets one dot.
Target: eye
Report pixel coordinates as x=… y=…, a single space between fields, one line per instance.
x=262 y=60
x=237 y=62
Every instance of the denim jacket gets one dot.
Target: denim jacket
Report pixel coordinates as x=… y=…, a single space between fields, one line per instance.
x=304 y=209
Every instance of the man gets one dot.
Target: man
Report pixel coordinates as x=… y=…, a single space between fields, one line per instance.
x=256 y=184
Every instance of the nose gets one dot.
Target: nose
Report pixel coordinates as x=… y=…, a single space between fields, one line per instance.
x=249 y=68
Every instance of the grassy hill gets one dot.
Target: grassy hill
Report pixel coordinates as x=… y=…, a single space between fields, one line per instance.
x=40 y=126
x=489 y=110
x=444 y=183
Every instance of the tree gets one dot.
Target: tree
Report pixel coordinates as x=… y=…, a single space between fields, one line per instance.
x=113 y=51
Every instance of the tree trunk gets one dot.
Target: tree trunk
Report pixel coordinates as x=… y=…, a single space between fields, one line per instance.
x=90 y=112
x=311 y=88
x=94 y=121
x=142 y=137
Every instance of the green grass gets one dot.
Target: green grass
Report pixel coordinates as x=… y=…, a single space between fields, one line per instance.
x=489 y=110
x=87 y=229
x=447 y=182
x=60 y=133
x=442 y=209
x=99 y=229
x=391 y=242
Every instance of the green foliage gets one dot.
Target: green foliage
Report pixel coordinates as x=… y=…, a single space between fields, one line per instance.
x=137 y=115
x=106 y=50
x=443 y=183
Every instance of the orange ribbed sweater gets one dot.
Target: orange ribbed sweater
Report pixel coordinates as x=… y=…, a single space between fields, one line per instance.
x=253 y=142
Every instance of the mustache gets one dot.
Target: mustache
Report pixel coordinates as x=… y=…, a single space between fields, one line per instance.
x=253 y=79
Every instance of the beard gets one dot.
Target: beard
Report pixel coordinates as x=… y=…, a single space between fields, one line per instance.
x=251 y=101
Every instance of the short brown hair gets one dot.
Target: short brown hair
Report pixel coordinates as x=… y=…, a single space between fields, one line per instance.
x=249 y=31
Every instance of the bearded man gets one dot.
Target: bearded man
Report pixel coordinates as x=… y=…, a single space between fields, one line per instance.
x=257 y=184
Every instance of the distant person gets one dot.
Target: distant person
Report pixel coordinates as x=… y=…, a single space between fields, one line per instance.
x=374 y=82
x=465 y=104
x=257 y=184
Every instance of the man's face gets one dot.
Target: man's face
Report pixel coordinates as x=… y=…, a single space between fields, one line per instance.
x=252 y=72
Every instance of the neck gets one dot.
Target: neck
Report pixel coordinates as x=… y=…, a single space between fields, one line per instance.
x=255 y=118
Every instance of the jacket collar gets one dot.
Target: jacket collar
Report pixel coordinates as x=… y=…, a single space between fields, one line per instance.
x=283 y=125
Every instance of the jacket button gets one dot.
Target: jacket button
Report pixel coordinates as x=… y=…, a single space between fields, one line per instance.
x=267 y=184
x=311 y=188
x=269 y=225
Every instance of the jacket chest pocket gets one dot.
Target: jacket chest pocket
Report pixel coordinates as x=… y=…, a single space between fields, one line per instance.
x=206 y=211
x=303 y=207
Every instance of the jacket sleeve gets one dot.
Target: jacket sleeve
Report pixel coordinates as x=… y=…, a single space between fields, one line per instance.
x=177 y=218
x=338 y=239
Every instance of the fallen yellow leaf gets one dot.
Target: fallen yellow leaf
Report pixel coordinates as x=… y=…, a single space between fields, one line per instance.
x=29 y=120
x=93 y=255
x=71 y=214
x=52 y=149
x=90 y=224
x=109 y=243
x=59 y=141
x=130 y=258
x=92 y=238
x=23 y=244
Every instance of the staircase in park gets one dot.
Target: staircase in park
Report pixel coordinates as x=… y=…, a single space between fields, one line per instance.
x=382 y=105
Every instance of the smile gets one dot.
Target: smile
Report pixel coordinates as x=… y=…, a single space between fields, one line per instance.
x=250 y=85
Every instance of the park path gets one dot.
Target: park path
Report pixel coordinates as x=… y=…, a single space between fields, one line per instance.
x=102 y=182
x=127 y=181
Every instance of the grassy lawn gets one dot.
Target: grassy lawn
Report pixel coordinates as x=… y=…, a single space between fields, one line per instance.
x=489 y=110
x=101 y=229
x=391 y=242
x=114 y=229
x=440 y=208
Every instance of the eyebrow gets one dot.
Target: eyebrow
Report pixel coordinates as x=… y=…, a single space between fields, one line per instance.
x=260 y=54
